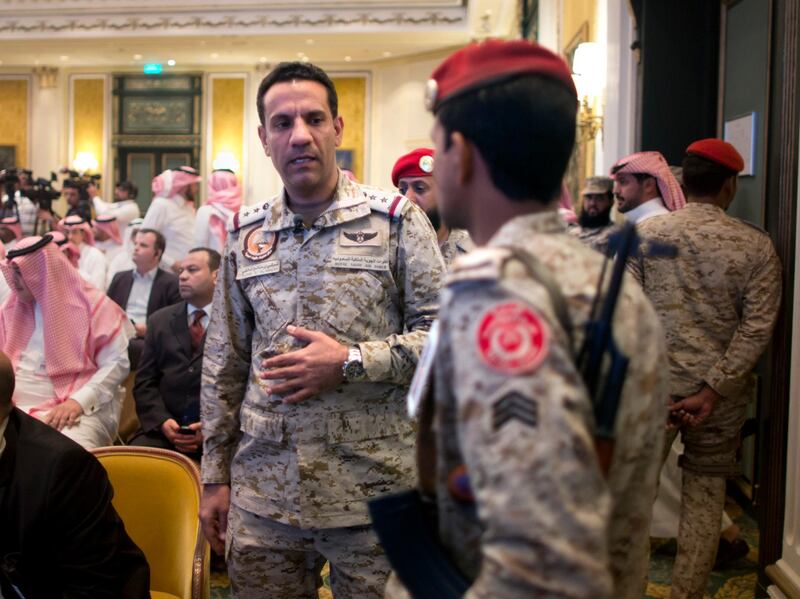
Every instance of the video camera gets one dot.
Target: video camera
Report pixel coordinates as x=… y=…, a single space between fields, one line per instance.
x=41 y=192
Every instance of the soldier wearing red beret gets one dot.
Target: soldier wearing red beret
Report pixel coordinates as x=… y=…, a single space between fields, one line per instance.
x=412 y=175
x=718 y=301
x=523 y=507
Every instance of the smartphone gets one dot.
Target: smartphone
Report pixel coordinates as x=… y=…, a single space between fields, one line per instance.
x=185 y=430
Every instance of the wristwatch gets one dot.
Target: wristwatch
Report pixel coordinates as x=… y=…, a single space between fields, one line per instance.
x=353 y=367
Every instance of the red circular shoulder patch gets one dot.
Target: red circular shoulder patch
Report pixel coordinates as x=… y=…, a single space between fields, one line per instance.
x=512 y=338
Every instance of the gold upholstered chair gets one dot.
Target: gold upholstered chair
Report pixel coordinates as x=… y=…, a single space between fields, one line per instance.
x=157 y=495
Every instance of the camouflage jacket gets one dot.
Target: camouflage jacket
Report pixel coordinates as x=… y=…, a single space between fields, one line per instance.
x=511 y=406
x=457 y=244
x=718 y=300
x=595 y=237
x=367 y=273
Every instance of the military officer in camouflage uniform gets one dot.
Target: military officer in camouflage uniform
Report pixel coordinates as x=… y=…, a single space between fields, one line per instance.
x=411 y=174
x=718 y=302
x=524 y=509
x=323 y=304
x=595 y=219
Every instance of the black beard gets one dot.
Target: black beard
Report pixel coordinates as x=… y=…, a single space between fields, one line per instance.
x=587 y=221
x=433 y=216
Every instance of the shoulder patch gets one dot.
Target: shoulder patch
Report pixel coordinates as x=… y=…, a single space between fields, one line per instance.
x=385 y=202
x=247 y=215
x=482 y=264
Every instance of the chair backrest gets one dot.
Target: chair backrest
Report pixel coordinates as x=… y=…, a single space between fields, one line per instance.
x=157 y=495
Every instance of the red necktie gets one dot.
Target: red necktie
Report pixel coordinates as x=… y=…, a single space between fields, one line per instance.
x=196 y=330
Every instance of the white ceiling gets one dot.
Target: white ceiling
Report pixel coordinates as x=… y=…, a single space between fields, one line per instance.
x=242 y=51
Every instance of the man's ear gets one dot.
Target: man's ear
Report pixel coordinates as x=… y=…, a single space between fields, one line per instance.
x=262 y=135
x=338 y=126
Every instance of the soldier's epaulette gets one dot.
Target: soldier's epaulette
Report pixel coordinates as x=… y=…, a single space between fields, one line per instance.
x=753 y=225
x=481 y=264
x=393 y=204
x=247 y=215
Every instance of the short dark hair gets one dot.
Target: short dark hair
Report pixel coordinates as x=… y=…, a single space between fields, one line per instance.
x=6 y=234
x=214 y=258
x=290 y=71
x=524 y=129
x=130 y=187
x=702 y=177
x=161 y=242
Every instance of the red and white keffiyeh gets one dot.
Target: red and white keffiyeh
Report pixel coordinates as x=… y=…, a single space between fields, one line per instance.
x=174 y=182
x=110 y=226
x=77 y=222
x=79 y=320
x=69 y=249
x=225 y=195
x=655 y=165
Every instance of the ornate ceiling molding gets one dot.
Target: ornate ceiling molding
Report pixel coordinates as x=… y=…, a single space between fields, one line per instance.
x=29 y=27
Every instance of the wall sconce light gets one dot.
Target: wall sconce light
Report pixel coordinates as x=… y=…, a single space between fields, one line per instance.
x=226 y=160
x=588 y=73
x=85 y=162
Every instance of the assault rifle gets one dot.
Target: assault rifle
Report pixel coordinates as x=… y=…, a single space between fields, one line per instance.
x=406 y=526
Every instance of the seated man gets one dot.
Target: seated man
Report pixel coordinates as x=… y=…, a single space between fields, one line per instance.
x=61 y=535
x=167 y=390
x=147 y=288
x=10 y=231
x=92 y=263
x=124 y=259
x=67 y=342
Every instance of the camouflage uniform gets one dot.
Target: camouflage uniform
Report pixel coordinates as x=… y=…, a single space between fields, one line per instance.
x=545 y=522
x=457 y=243
x=367 y=270
x=718 y=301
x=594 y=237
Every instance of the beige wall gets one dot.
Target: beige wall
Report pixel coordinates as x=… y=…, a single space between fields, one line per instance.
x=399 y=120
x=14 y=115
x=394 y=121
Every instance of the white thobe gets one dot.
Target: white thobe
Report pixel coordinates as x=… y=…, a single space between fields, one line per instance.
x=124 y=211
x=100 y=397
x=174 y=217
x=649 y=209
x=204 y=235
x=92 y=266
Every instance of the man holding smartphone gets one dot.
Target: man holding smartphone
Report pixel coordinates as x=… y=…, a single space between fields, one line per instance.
x=167 y=389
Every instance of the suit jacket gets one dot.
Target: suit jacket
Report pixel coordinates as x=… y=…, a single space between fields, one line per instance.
x=61 y=537
x=164 y=291
x=168 y=378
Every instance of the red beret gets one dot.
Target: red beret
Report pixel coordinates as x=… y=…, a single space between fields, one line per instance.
x=718 y=151
x=492 y=61
x=417 y=163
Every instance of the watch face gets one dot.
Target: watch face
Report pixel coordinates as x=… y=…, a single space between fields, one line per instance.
x=354 y=370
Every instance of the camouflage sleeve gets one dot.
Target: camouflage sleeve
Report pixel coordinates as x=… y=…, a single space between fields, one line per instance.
x=635 y=267
x=226 y=368
x=760 y=303
x=420 y=274
x=523 y=428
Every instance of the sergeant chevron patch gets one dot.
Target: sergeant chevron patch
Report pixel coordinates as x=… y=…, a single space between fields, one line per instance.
x=515 y=406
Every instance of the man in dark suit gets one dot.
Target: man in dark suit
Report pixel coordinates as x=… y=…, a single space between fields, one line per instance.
x=146 y=289
x=61 y=537
x=167 y=389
